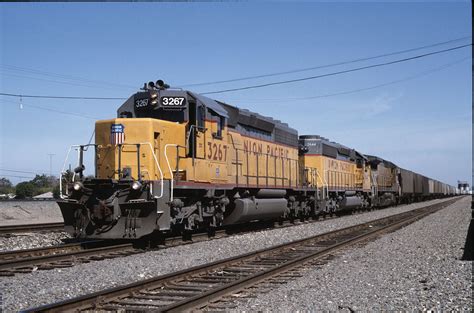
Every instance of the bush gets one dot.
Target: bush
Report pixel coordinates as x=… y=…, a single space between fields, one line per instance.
x=56 y=192
x=25 y=190
x=6 y=186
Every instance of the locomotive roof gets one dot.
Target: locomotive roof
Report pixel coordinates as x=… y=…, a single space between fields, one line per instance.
x=242 y=120
x=376 y=159
x=326 y=143
x=210 y=104
x=280 y=132
x=244 y=116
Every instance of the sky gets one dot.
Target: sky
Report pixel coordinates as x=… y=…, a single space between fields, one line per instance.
x=420 y=118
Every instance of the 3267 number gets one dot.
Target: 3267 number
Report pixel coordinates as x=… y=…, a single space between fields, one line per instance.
x=216 y=152
x=173 y=101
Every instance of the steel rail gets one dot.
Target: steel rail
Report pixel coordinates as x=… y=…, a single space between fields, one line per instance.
x=26 y=253
x=214 y=294
x=64 y=259
x=287 y=257
x=27 y=228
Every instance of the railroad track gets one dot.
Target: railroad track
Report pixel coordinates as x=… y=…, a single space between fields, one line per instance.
x=28 y=260
x=210 y=286
x=28 y=228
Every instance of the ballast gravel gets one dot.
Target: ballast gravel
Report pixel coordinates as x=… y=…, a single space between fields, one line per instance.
x=29 y=212
x=42 y=287
x=25 y=213
x=31 y=240
x=417 y=268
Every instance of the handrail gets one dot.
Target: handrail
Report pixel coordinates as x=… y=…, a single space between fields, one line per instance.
x=169 y=168
x=325 y=185
x=61 y=174
x=188 y=137
x=374 y=184
x=125 y=144
x=192 y=130
x=159 y=169
x=64 y=166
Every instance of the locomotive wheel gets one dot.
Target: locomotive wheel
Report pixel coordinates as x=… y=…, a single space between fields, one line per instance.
x=301 y=217
x=211 y=231
x=186 y=235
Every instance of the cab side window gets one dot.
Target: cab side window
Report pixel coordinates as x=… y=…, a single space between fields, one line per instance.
x=201 y=116
x=220 y=126
x=220 y=122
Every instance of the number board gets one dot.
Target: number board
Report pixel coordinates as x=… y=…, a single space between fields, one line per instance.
x=141 y=103
x=173 y=103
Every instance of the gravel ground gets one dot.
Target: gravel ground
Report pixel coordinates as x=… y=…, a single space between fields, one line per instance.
x=43 y=287
x=415 y=268
x=29 y=212
x=31 y=240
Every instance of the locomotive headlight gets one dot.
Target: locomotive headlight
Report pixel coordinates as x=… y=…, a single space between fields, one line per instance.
x=77 y=186
x=136 y=185
x=154 y=98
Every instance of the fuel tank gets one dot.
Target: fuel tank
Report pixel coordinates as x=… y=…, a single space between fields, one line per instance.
x=249 y=209
x=349 y=203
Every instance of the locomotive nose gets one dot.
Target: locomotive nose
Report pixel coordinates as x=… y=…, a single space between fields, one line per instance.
x=75 y=217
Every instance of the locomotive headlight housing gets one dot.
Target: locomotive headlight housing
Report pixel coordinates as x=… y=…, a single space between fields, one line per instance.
x=77 y=186
x=136 y=185
x=154 y=98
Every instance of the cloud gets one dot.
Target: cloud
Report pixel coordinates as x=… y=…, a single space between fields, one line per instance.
x=379 y=105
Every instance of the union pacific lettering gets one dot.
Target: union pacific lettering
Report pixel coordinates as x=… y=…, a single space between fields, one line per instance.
x=338 y=166
x=272 y=150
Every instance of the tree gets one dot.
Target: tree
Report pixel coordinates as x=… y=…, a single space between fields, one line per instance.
x=5 y=186
x=43 y=180
x=25 y=190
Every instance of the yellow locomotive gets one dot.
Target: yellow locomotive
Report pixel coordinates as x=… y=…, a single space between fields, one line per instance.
x=174 y=160
x=342 y=173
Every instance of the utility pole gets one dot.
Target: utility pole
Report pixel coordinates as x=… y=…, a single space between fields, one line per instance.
x=51 y=163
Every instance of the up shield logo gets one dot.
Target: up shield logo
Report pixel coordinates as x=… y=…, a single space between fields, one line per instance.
x=117 y=134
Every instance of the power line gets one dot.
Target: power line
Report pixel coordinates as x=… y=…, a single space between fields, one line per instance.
x=255 y=86
x=18 y=171
x=290 y=99
x=59 y=97
x=364 y=88
x=327 y=65
x=82 y=80
x=62 y=112
x=61 y=76
x=53 y=110
x=57 y=81
x=16 y=176
x=335 y=73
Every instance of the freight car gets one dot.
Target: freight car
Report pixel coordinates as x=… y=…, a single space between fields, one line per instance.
x=176 y=161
